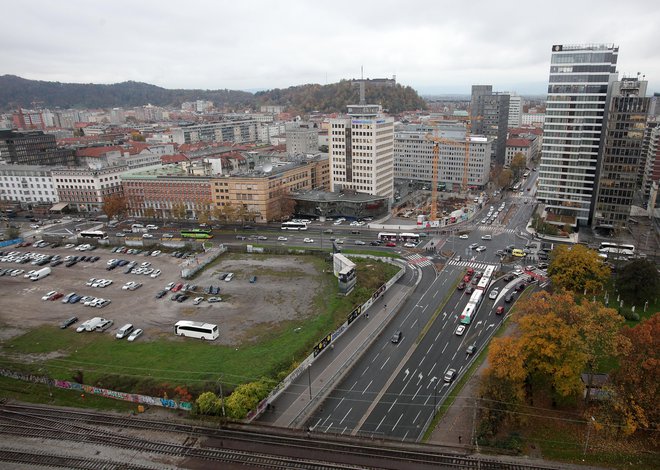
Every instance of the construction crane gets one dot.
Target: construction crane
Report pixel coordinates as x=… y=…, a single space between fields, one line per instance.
x=434 y=184
x=468 y=127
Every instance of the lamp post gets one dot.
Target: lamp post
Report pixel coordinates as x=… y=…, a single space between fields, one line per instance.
x=586 y=442
x=309 y=381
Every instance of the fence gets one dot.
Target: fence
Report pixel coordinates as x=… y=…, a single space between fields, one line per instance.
x=199 y=262
x=103 y=392
x=10 y=242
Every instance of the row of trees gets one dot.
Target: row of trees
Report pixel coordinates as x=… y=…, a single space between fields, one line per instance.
x=244 y=398
x=562 y=335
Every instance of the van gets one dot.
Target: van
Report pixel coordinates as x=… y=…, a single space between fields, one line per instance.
x=124 y=331
x=518 y=252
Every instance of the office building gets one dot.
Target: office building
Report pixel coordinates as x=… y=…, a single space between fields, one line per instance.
x=515 y=110
x=489 y=115
x=362 y=151
x=650 y=174
x=33 y=148
x=27 y=184
x=239 y=131
x=302 y=139
x=85 y=189
x=580 y=80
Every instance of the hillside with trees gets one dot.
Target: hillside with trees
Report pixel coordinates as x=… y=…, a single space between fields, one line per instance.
x=333 y=98
x=16 y=91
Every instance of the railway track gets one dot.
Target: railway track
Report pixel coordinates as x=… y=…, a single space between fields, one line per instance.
x=252 y=446
x=54 y=460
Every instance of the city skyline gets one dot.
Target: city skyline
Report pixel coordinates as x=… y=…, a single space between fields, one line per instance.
x=435 y=48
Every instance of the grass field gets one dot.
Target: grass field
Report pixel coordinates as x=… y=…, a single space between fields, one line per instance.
x=148 y=367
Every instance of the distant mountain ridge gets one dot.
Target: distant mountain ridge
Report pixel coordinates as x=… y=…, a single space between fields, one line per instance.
x=16 y=91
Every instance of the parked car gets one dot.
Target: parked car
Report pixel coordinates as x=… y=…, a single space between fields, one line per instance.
x=68 y=322
x=464 y=236
x=198 y=300
x=135 y=335
x=213 y=300
x=160 y=294
x=124 y=331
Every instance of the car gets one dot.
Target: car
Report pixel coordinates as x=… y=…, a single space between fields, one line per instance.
x=75 y=299
x=147 y=235
x=177 y=287
x=409 y=245
x=542 y=265
x=460 y=286
x=253 y=279
x=464 y=236
x=68 y=322
x=148 y=271
x=460 y=330
x=308 y=240
x=374 y=243
x=480 y=249
x=73 y=262
x=469 y=290
x=176 y=296
x=509 y=277
x=390 y=244
x=120 y=234
x=229 y=277
x=473 y=246
x=66 y=298
x=167 y=235
x=155 y=274
x=198 y=300
x=128 y=285
x=56 y=263
x=182 y=298
x=500 y=310
x=135 y=335
x=471 y=349
x=104 y=325
x=509 y=298
x=146 y=264
x=329 y=230
x=521 y=287
x=282 y=239
x=360 y=242
x=213 y=300
x=450 y=375
x=396 y=337
x=29 y=273
x=493 y=293
x=156 y=253
x=48 y=295
x=160 y=294
x=339 y=241
x=487 y=237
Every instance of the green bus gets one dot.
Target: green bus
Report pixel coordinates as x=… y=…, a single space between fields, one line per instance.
x=196 y=233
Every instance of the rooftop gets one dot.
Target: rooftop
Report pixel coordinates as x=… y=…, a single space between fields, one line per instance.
x=326 y=196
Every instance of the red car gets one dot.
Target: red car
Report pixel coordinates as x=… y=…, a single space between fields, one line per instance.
x=390 y=244
x=500 y=310
x=466 y=279
x=57 y=296
x=177 y=288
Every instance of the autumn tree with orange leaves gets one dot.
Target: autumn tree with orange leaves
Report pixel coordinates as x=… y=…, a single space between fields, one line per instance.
x=577 y=269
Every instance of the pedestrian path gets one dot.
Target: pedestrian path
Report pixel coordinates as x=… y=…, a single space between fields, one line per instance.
x=419 y=260
x=470 y=264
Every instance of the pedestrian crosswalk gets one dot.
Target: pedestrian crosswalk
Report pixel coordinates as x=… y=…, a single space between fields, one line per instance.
x=419 y=260
x=470 y=264
x=496 y=230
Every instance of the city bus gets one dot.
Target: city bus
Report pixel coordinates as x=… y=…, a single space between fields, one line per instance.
x=409 y=237
x=485 y=278
x=471 y=308
x=387 y=237
x=298 y=225
x=197 y=233
x=195 y=329
x=98 y=234
x=614 y=248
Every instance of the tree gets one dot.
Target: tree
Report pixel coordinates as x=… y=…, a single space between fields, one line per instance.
x=246 y=397
x=150 y=212
x=577 y=268
x=208 y=403
x=637 y=381
x=518 y=164
x=504 y=178
x=179 y=210
x=115 y=206
x=12 y=233
x=638 y=281
x=137 y=137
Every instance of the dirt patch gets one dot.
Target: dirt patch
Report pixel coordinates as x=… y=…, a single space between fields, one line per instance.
x=285 y=290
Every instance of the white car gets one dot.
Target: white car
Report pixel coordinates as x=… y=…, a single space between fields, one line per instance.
x=155 y=274
x=148 y=271
x=29 y=273
x=198 y=300
x=282 y=239
x=229 y=277
x=460 y=330
x=69 y=245
x=155 y=253
x=409 y=245
x=128 y=285
x=487 y=237
x=493 y=294
x=147 y=235
x=166 y=235
x=170 y=285
x=481 y=248
x=48 y=295
x=35 y=226
x=464 y=236
x=146 y=264
x=135 y=335
x=110 y=261
x=308 y=240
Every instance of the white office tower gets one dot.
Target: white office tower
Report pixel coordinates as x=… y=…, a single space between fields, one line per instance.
x=515 y=110
x=361 y=147
x=580 y=80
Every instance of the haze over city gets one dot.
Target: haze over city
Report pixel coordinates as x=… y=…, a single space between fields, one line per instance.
x=435 y=47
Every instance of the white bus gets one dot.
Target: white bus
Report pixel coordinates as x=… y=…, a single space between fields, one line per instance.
x=387 y=237
x=409 y=237
x=93 y=234
x=195 y=329
x=614 y=248
x=299 y=225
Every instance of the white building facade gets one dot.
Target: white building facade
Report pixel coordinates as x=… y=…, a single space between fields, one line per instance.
x=85 y=189
x=361 y=148
x=27 y=184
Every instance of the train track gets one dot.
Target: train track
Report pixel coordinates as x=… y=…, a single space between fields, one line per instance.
x=54 y=460
x=253 y=446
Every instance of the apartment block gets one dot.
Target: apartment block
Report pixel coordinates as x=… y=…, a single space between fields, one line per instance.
x=27 y=184
x=85 y=188
x=302 y=139
x=239 y=131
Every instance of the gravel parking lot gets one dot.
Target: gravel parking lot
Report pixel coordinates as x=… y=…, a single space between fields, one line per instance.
x=282 y=292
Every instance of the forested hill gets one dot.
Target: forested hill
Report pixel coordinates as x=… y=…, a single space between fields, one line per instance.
x=335 y=97
x=16 y=91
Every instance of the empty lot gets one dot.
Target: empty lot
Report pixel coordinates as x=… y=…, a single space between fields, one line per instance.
x=284 y=290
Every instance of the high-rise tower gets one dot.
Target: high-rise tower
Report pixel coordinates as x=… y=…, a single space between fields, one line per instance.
x=580 y=80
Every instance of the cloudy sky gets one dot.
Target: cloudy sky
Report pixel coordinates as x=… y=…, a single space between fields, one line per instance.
x=433 y=46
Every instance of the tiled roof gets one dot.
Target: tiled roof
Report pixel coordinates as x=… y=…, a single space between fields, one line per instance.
x=518 y=142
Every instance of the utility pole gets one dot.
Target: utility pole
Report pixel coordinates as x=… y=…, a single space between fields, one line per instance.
x=309 y=381
x=586 y=442
x=222 y=398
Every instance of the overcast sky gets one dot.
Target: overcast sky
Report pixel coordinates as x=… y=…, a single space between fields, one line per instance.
x=433 y=46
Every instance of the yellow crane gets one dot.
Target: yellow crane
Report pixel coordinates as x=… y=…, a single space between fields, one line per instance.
x=434 y=184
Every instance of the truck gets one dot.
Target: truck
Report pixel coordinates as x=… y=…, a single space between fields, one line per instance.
x=40 y=274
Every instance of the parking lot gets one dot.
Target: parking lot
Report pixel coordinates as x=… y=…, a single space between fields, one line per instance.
x=281 y=292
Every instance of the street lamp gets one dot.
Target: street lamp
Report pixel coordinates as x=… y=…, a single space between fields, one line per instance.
x=586 y=442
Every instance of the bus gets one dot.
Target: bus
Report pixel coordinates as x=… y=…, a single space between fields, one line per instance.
x=387 y=237
x=195 y=329
x=409 y=237
x=471 y=308
x=614 y=248
x=197 y=233
x=298 y=225
x=98 y=234
x=485 y=278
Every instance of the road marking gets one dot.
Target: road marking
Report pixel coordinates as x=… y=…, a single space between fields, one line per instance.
x=381 y=422
x=351 y=389
x=329 y=426
x=366 y=388
x=338 y=404
x=392 y=406
x=388 y=358
x=317 y=423
x=436 y=293
x=424 y=309
x=397 y=422
x=375 y=357
x=415 y=395
x=438 y=335
x=443 y=349
x=345 y=428
x=429 y=349
x=404 y=437
x=406 y=374
x=342 y=420
x=364 y=371
x=418 y=413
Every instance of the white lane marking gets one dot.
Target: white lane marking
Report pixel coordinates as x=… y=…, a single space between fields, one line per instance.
x=397 y=422
x=338 y=404
x=392 y=406
x=429 y=349
x=415 y=395
x=418 y=413
x=388 y=358
x=329 y=426
x=342 y=420
x=363 y=372
x=443 y=349
x=367 y=387
x=351 y=389
x=381 y=422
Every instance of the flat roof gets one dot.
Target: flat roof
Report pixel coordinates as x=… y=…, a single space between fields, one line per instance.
x=326 y=196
